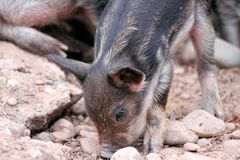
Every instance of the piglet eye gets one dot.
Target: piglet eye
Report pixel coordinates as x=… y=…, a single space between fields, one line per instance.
x=120 y=113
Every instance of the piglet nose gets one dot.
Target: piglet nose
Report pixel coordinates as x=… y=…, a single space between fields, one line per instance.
x=106 y=152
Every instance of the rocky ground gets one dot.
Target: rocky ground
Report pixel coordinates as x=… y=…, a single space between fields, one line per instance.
x=42 y=115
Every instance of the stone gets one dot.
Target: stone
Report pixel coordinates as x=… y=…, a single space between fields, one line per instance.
x=13 y=128
x=81 y=118
x=204 y=124
x=179 y=70
x=88 y=139
x=39 y=82
x=31 y=149
x=232 y=147
x=203 y=142
x=13 y=82
x=61 y=136
x=230 y=126
x=62 y=130
x=62 y=124
x=84 y=134
x=12 y=101
x=128 y=153
x=178 y=134
x=8 y=64
x=43 y=136
x=89 y=145
x=235 y=134
x=153 y=156
x=191 y=147
x=191 y=156
x=79 y=107
x=86 y=128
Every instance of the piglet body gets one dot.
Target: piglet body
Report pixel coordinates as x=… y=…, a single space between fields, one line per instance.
x=126 y=88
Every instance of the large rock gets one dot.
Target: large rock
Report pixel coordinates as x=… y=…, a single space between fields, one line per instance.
x=204 y=124
x=178 y=134
x=33 y=94
x=33 y=91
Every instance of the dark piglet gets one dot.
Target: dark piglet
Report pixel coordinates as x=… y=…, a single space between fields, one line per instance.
x=126 y=87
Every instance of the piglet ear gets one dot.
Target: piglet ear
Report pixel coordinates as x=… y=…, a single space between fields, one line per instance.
x=79 y=69
x=127 y=78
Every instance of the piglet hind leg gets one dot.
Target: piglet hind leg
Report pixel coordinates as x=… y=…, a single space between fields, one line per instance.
x=203 y=37
x=18 y=17
x=31 y=39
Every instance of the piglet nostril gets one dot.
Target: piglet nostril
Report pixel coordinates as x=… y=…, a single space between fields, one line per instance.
x=106 y=153
x=103 y=158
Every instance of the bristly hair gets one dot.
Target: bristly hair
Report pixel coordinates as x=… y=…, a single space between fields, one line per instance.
x=210 y=4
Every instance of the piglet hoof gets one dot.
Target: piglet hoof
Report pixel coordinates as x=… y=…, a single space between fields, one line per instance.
x=220 y=115
x=217 y=110
x=53 y=46
x=152 y=143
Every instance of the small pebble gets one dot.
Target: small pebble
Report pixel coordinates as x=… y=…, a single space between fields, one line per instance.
x=153 y=156
x=235 y=134
x=85 y=134
x=60 y=136
x=62 y=124
x=12 y=101
x=179 y=70
x=39 y=82
x=44 y=136
x=191 y=147
x=203 y=142
x=128 y=153
x=12 y=82
x=79 y=107
x=230 y=126
x=62 y=130
x=81 y=118
x=89 y=145
x=185 y=96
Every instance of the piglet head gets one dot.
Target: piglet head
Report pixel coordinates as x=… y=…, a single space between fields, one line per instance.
x=113 y=98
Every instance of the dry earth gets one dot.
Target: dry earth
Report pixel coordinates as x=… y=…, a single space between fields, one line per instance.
x=40 y=120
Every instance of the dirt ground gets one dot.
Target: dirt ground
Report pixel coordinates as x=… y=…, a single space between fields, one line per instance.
x=185 y=92
x=17 y=123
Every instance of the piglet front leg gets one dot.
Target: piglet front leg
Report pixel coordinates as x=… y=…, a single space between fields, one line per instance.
x=156 y=117
x=155 y=131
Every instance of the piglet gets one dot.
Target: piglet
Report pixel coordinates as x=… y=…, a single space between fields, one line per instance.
x=127 y=85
